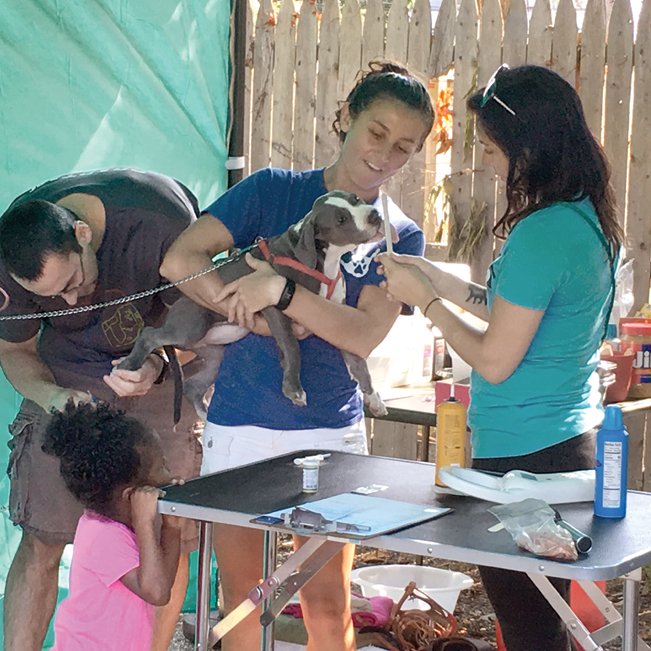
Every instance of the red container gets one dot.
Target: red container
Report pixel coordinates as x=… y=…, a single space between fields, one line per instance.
x=617 y=391
x=442 y=392
x=582 y=606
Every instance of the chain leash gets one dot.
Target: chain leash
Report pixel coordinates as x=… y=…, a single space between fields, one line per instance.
x=116 y=301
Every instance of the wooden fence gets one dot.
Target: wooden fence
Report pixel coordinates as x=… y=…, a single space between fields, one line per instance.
x=303 y=58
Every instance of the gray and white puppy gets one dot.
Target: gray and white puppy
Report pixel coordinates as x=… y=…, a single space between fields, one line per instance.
x=338 y=222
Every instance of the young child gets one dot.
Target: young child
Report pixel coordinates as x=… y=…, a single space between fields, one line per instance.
x=125 y=555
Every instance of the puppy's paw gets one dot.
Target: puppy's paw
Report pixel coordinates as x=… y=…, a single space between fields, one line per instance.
x=376 y=404
x=297 y=396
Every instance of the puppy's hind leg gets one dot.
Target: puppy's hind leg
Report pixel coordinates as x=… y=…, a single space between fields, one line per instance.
x=290 y=354
x=358 y=369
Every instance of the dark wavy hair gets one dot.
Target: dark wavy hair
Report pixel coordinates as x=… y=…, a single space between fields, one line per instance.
x=33 y=230
x=97 y=449
x=387 y=80
x=553 y=156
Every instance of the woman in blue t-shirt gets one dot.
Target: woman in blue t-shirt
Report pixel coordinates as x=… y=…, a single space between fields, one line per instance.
x=384 y=120
x=535 y=402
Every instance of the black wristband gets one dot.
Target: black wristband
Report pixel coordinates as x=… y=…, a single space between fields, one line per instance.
x=164 y=371
x=287 y=295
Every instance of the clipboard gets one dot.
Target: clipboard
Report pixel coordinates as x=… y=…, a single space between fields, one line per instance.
x=370 y=516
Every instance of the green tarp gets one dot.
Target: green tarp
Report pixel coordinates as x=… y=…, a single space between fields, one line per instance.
x=88 y=84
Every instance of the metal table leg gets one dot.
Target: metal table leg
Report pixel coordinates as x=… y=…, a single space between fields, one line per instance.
x=260 y=592
x=268 y=568
x=201 y=634
x=631 y=609
x=573 y=623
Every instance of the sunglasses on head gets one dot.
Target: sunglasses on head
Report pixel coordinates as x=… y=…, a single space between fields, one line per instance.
x=490 y=91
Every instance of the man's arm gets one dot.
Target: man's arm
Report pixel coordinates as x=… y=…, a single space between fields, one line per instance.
x=30 y=376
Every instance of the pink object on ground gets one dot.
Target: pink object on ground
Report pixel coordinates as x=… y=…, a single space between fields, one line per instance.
x=378 y=617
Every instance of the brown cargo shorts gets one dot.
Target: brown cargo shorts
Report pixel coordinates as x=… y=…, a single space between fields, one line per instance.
x=39 y=501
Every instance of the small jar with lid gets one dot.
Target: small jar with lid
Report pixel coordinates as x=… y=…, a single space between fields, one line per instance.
x=636 y=336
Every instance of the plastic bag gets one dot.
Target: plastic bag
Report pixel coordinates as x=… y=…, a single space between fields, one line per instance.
x=624 y=298
x=532 y=525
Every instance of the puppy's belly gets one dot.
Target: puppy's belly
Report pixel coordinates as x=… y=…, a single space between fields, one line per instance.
x=225 y=333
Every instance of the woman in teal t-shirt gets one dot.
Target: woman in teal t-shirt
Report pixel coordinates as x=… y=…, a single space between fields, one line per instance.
x=535 y=402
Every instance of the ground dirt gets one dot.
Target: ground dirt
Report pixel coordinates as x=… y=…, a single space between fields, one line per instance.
x=474 y=614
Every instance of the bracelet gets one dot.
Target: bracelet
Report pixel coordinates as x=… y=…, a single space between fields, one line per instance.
x=287 y=295
x=436 y=298
x=166 y=367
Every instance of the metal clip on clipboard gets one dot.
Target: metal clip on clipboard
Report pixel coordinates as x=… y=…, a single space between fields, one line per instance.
x=303 y=520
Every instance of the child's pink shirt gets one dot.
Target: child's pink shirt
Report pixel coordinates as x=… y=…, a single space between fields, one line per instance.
x=101 y=613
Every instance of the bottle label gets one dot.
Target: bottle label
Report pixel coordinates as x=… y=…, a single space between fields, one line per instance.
x=641 y=362
x=310 y=480
x=612 y=495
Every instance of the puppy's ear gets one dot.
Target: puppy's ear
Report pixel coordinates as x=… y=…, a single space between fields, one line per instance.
x=305 y=250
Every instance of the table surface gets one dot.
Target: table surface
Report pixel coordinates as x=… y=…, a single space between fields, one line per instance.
x=235 y=496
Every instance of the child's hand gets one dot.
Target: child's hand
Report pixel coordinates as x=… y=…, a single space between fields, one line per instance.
x=173 y=521
x=144 y=501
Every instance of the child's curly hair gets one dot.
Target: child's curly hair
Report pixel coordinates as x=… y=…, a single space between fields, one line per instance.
x=96 y=446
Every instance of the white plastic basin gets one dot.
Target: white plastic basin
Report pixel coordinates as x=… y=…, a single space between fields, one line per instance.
x=443 y=586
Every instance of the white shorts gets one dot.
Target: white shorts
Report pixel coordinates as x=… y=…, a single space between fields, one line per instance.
x=228 y=447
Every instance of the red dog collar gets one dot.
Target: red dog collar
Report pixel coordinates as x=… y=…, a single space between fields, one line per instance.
x=284 y=261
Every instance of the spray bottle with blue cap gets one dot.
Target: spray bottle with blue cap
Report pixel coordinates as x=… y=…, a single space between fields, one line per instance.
x=611 y=466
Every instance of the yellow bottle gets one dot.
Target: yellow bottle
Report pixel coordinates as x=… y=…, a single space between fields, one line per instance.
x=450 y=434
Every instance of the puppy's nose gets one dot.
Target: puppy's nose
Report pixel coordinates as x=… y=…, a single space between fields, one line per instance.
x=374 y=218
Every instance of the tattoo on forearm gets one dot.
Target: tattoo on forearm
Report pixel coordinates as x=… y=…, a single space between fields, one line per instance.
x=476 y=295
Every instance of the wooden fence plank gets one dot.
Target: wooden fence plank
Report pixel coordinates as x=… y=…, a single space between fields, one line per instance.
x=262 y=87
x=441 y=55
x=350 y=51
x=373 y=33
x=397 y=39
x=397 y=34
x=413 y=185
x=488 y=59
x=638 y=228
x=618 y=96
x=283 y=86
x=248 y=85
x=327 y=82
x=592 y=64
x=398 y=440
x=539 y=50
x=636 y=425
x=564 y=43
x=306 y=42
x=514 y=51
x=465 y=66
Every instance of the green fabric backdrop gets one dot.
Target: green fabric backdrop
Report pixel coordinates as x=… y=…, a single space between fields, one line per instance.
x=88 y=84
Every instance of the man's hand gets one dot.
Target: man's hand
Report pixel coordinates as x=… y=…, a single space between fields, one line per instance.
x=134 y=383
x=60 y=396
